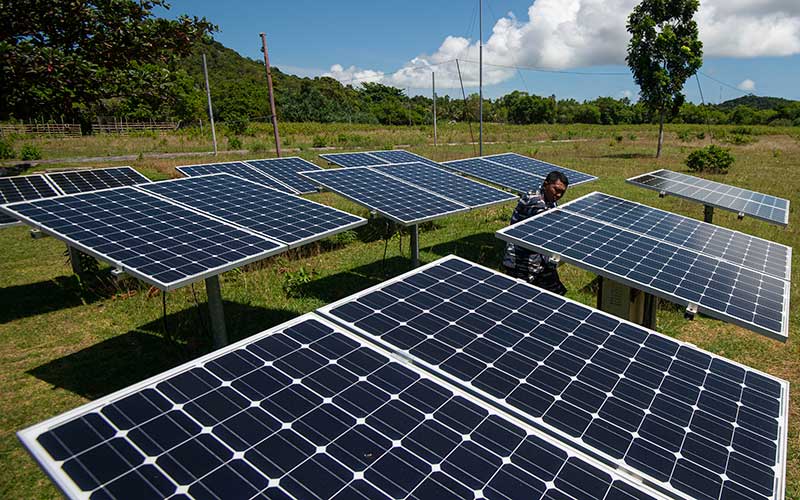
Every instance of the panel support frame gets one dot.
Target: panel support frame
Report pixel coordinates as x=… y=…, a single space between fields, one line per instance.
x=216 y=312
x=414 y=231
x=708 y=214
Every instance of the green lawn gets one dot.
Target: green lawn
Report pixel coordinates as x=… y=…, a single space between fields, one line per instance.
x=66 y=342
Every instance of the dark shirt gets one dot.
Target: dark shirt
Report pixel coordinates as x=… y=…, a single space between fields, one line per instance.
x=526 y=262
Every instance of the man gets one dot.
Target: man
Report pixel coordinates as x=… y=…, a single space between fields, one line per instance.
x=533 y=267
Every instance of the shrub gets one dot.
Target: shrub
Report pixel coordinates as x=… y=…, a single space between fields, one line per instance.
x=6 y=150
x=234 y=143
x=30 y=152
x=236 y=123
x=713 y=159
x=319 y=141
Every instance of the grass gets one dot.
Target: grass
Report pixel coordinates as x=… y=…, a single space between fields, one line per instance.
x=65 y=342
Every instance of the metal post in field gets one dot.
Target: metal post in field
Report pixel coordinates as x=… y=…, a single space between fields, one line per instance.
x=433 y=86
x=210 y=109
x=414 y=245
x=271 y=95
x=216 y=312
x=480 y=77
x=708 y=214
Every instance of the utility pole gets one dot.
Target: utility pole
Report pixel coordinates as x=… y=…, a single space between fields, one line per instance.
x=271 y=96
x=210 y=109
x=433 y=86
x=480 y=76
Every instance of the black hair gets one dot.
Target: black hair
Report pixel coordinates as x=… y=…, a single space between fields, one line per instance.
x=554 y=176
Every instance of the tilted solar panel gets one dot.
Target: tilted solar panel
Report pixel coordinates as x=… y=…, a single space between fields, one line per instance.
x=758 y=205
x=159 y=242
x=22 y=188
x=539 y=167
x=82 y=181
x=392 y=198
x=401 y=156
x=237 y=168
x=506 y=177
x=754 y=300
x=286 y=170
x=306 y=410
x=447 y=184
x=353 y=159
x=735 y=247
x=692 y=423
x=281 y=216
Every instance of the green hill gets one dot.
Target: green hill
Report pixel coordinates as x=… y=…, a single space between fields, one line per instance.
x=755 y=102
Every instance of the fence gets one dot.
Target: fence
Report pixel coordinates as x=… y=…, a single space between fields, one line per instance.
x=52 y=129
x=121 y=126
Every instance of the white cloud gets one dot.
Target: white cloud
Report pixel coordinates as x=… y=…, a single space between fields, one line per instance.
x=747 y=85
x=626 y=94
x=562 y=34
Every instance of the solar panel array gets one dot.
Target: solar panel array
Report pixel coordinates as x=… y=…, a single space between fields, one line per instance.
x=286 y=170
x=21 y=188
x=538 y=167
x=286 y=218
x=237 y=168
x=371 y=158
x=762 y=206
x=695 y=424
x=83 y=181
x=148 y=237
x=306 y=410
x=728 y=291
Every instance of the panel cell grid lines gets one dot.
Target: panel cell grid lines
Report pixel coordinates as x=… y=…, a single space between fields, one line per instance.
x=495 y=173
x=402 y=156
x=735 y=247
x=696 y=425
x=539 y=167
x=22 y=188
x=283 y=217
x=286 y=170
x=758 y=205
x=306 y=411
x=392 y=198
x=237 y=168
x=354 y=159
x=447 y=184
x=157 y=241
x=82 y=181
x=726 y=291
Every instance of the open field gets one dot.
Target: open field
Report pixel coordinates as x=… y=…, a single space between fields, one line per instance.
x=65 y=342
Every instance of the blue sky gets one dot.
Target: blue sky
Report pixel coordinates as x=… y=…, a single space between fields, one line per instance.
x=578 y=45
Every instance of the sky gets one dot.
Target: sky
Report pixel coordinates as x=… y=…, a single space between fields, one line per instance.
x=567 y=48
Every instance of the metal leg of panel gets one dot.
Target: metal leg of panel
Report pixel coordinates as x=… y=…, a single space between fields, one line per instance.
x=650 y=310
x=75 y=260
x=414 y=245
x=708 y=214
x=216 y=312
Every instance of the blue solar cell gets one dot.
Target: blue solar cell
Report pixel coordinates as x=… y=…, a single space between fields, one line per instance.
x=286 y=170
x=394 y=199
x=82 y=181
x=633 y=395
x=377 y=428
x=539 y=167
x=500 y=175
x=22 y=188
x=353 y=159
x=237 y=168
x=401 y=156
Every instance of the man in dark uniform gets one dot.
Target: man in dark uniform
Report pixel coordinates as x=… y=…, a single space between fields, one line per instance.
x=533 y=267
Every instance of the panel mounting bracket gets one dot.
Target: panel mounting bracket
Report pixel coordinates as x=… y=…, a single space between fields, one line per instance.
x=740 y=215
x=37 y=235
x=556 y=258
x=690 y=311
x=117 y=273
x=662 y=194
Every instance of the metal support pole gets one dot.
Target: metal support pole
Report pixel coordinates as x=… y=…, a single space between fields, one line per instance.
x=210 y=109
x=433 y=86
x=216 y=312
x=75 y=260
x=414 y=245
x=480 y=77
x=708 y=214
x=271 y=95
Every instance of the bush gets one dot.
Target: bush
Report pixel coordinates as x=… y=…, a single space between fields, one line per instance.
x=234 y=143
x=236 y=123
x=713 y=159
x=6 y=150
x=30 y=152
x=319 y=141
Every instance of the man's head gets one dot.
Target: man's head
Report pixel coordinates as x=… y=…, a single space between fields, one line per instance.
x=554 y=186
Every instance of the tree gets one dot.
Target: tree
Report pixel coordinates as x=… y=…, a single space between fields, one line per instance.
x=63 y=58
x=664 y=51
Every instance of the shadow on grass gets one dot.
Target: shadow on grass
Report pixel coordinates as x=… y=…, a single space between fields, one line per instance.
x=62 y=292
x=126 y=359
x=481 y=248
x=334 y=287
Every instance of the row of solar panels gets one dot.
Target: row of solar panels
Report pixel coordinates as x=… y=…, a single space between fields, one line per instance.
x=449 y=382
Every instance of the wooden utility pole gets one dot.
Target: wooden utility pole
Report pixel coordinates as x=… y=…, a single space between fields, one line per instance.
x=433 y=86
x=271 y=96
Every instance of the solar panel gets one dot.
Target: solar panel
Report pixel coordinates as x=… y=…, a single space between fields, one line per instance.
x=726 y=291
x=394 y=199
x=287 y=170
x=283 y=217
x=694 y=424
x=539 y=167
x=237 y=168
x=402 y=156
x=159 y=242
x=735 y=247
x=447 y=184
x=82 y=181
x=506 y=177
x=22 y=188
x=758 y=205
x=353 y=159
x=306 y=410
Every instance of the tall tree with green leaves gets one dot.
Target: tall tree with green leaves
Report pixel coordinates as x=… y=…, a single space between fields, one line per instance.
x=61 y=58
x=664 y=51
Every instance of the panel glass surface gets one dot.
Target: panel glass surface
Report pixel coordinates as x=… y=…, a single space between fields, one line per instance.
x=82 y=181
x=287 y=171
x=281 y=216
x=726 y=291
x=694 y=423
x=353 y=159
x=307 y=411
x=157 y=241
x=237 y=168
x=739 y=248
x=759 y=205
x=22 y=188
x=539 y=167
x=401 y=156
x=447 y=184
x=506 y=177
x=390 y=197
